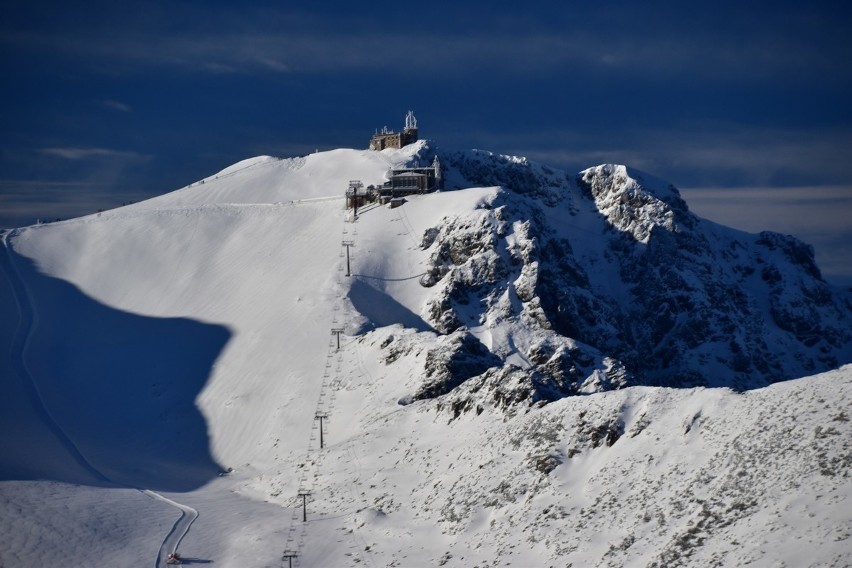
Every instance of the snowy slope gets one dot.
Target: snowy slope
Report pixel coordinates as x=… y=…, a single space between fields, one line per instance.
x=269 y=180
x=643 y=476
x=157 y=346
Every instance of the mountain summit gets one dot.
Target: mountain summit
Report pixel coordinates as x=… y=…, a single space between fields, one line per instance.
x=245 y=353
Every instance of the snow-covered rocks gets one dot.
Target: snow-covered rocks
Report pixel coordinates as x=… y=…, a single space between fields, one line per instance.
x=619 y=264
x=495 y=397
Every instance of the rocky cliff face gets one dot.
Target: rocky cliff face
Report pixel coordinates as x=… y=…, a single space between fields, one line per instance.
x=604 y=279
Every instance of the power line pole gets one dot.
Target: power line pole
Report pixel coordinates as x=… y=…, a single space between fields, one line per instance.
x=354 y=186
x=337 y=331
x=320 y=416
x=303 y=493
x=289 y=555
x=348 y=244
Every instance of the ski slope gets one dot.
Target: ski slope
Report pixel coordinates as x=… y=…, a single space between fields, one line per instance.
x=183 y=347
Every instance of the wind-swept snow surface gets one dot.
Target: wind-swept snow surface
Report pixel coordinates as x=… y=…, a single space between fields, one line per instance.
x=488 y=404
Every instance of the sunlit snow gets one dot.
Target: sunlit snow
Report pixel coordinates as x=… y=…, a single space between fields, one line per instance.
x=168 y=359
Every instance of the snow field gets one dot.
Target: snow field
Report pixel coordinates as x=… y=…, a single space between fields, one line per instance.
x=219 y=300
x=252 y=268
x=51 y=524
x=698 y=477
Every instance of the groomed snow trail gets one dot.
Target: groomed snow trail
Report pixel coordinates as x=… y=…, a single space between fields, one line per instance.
x=179 y=530
x=27 y=324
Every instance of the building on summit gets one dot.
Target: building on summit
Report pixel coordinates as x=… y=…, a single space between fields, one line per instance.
x=401 y=182
x=390 y=139
x=408 y=181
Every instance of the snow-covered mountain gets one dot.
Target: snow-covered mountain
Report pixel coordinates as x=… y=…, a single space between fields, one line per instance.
x=612 y=258
x=502 y=392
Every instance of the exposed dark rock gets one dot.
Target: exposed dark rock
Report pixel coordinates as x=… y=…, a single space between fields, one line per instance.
x=545 y=464
x=683 y=302
x=459 y=357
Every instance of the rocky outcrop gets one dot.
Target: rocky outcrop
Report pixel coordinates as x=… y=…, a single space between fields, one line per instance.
x=457 y=357
x=606 y=279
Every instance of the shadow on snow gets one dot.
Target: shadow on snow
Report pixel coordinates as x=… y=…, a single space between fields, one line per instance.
x=98 y=396
x=381 y=309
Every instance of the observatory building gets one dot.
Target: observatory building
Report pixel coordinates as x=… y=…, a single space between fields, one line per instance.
x=390 y=139
x=418 y=178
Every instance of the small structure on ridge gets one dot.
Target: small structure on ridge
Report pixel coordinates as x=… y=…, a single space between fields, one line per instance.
x=407 y=181
x=390 y=139
x=400 y=182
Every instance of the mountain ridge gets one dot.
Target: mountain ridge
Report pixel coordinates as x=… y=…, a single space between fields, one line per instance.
x=668 y=261
x=490 y=398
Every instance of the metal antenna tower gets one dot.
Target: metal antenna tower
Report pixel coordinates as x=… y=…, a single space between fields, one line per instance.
x=410 y=121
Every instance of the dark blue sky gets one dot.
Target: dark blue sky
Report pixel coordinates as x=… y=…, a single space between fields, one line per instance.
x=745 y=108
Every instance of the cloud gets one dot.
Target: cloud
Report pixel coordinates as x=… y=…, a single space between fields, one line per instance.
x=690 y=154
x=749 y=178
x=818 y=215
x=116 y=105
x=278 y=42
x=93 y=153
x=741 y=155
x=24 y=202
x=800 y=209
x=69 y=182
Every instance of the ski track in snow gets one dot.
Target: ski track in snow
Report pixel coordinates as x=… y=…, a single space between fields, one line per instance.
x=27 y=324
x=188 y=515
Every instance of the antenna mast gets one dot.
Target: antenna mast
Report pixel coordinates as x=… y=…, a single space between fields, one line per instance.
x=410 y=121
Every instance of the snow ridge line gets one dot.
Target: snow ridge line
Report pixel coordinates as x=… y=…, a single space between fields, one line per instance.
x=235 y=172
x=27 y=324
